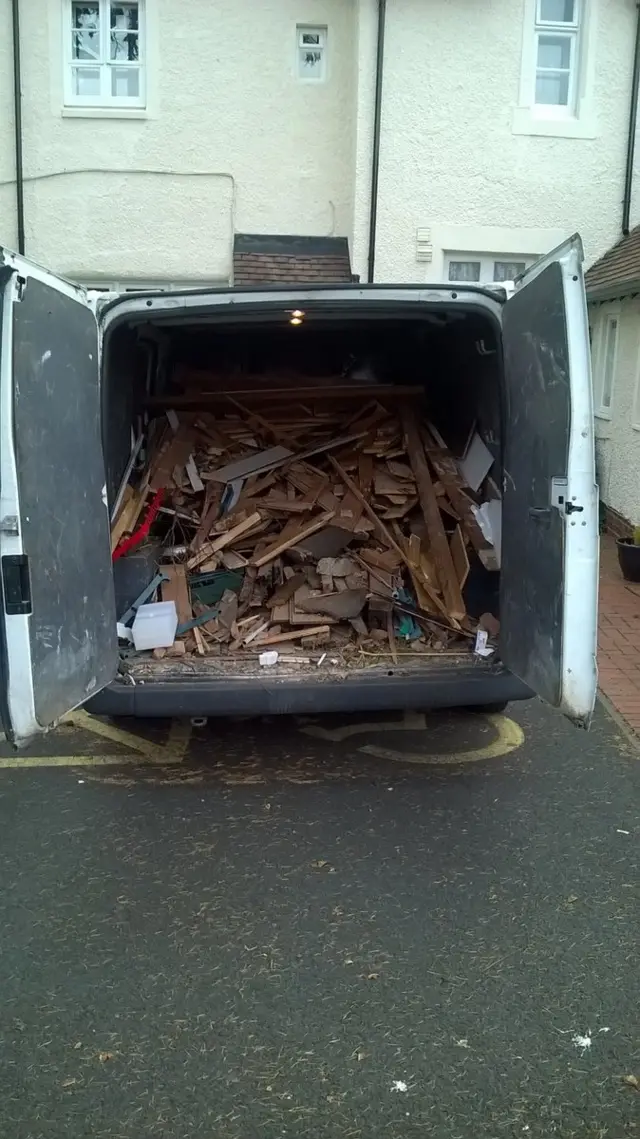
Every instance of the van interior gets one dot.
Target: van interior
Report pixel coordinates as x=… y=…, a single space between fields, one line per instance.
x=371 y=542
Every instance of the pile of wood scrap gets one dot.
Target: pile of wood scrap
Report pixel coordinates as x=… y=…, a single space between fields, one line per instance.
x=331 y=519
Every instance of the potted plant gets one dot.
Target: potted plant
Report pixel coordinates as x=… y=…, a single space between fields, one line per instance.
x=629 y=555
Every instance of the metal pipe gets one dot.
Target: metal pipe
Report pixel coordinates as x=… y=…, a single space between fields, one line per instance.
x=17 y=106
x=631 y=138
x=375 y=157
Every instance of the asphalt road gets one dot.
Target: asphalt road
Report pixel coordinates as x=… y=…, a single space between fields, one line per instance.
x=261 y=932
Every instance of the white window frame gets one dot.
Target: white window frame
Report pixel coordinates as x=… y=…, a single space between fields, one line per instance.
x=105 y=64
x=321 y=31
x=580 y=120
x=635 y=411
x=487 y=265
x=572 y=32
x=601 y=410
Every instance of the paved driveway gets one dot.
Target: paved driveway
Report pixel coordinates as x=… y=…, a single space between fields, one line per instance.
x=283 y=928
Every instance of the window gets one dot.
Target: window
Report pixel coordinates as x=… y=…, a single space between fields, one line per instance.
x=104 y=54
x=484 y=268
x=312 y=46
x=556 y=54
x=604 y=365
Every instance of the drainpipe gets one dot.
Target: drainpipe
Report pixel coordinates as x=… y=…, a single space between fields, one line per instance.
x=375 y=159
x=17 y=106
x=631 y=139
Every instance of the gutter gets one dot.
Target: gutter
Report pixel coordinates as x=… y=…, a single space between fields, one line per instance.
x=375 y=157
x=631 y=136
x=17 y=104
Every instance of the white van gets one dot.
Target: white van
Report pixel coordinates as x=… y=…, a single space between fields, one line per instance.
x=70 y=369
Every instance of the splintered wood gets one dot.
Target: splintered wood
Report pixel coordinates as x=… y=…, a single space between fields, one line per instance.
x=332 y=516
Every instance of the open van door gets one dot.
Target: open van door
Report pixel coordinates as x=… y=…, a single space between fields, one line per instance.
x=549 y=580
x=57 y=621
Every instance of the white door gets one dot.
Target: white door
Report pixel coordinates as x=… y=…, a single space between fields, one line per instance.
x=58 y=622
x=549 y=580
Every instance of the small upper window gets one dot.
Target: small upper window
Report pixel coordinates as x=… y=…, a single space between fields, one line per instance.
x=557 y=35
x=105 y=54
x=312 y=46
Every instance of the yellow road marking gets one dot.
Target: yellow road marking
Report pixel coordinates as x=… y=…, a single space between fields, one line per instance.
x=144 y=751
x=509 y=736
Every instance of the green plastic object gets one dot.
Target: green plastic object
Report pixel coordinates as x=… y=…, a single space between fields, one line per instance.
x=207 y=588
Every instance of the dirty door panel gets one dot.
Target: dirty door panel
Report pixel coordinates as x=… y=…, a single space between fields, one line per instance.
x=64 y=521
x=537 y=433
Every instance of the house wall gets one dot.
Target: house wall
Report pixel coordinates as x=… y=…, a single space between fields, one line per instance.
x=618 y=438
x=231 y=139
x=453 y=161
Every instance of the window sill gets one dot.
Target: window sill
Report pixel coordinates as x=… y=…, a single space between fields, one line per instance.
x=526 y=121
x=105 y=113
x=603 y=416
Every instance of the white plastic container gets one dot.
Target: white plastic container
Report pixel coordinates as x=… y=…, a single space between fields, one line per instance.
x=155 y=625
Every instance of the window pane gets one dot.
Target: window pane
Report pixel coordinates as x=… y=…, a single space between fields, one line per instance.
x=552 y=90
x=85 y=16
x=609 y=361
x=310 y=39
x=86 y=81
x=554 y=52
x=310 y=63
x=507 y=270
x=124 y=17
x=557 y=11
x=125 y=82
x=464 y=271
x=124 y=45
x=85 y=44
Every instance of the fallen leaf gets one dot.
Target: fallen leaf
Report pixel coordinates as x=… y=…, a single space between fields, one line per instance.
x=398 y=1086
x=319 y=864
x=372 y=976
x=572 y=898
x=69 y=1083
x=104 y=1056
x=631 y=1082
x=78 y=1045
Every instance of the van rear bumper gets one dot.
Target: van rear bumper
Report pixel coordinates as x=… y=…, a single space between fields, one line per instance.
x=237 y=697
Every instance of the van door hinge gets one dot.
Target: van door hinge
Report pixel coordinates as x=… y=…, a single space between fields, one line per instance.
x=9 y=525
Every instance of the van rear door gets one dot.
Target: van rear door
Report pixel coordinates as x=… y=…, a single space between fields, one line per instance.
x=549 y=581
x=58 y=622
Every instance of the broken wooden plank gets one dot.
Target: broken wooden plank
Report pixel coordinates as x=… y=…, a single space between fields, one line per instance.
x=225 y=539
x=294 y=635
x=459 y=555
x=382 y=559
x=281 y=544
x=177 y=589
x=438 y=544
x=341 y=606
x=251 y=465
x=285 y=591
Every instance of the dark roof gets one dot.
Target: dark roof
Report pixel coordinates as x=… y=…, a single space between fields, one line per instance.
x=618 y=271
x=275 y=259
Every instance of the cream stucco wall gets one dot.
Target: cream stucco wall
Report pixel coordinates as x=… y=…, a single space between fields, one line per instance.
x=231 y=138
x=618 y=438
x=451 y=162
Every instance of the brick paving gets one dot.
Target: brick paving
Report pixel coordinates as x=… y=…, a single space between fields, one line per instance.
x=619 y=636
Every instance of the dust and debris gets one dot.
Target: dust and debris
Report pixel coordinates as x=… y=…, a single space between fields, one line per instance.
x=582 y=1042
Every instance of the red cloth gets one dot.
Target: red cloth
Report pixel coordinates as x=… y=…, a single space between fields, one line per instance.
x=136 y=538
